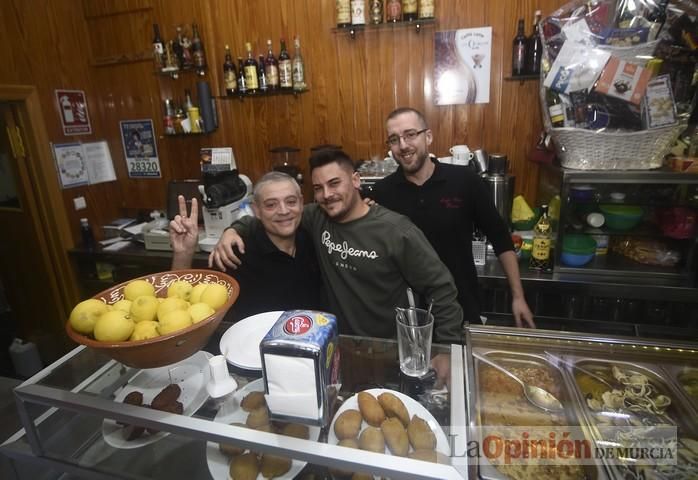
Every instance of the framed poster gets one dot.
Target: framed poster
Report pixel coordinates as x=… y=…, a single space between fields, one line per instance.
x=72 y=108
x=462 y=61
x=138 y=140
x=71 y=163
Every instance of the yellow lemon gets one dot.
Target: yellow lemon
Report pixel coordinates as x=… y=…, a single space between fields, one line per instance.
x=85 y=315
x=123 y=305
x=173 y=321
x=196 y=292
x=160 y=299
x=215 y=295
x=138 y=288
x=181 y=289
x=144 y=330
x=171 y=304
x=114 y=326
x=144 y=308
x=200 y=311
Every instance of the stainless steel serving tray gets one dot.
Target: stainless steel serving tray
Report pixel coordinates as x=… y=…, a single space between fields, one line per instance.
x=571 y=415
x=679 y=412
x=674 y=373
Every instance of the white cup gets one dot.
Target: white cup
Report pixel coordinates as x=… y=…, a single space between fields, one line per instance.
x=456 y=149
x=461 y=158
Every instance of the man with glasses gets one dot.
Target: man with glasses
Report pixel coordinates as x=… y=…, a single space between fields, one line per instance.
x=445 y=202
x=279 y=269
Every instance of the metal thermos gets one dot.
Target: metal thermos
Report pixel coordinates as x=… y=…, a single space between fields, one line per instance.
x=500 y=184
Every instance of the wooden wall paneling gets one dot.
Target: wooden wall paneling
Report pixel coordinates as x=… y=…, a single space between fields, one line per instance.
x=100 y=8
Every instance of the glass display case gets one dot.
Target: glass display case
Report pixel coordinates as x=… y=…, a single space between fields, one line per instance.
x=630 y=224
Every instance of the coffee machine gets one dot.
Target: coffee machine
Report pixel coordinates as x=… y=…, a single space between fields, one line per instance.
x=224 y=196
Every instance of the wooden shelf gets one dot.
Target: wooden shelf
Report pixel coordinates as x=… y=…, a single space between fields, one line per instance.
x=352 y=30
x=175 y=73
x=259 y=94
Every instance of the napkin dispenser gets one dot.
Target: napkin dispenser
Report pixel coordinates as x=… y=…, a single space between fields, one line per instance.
x=300 y=365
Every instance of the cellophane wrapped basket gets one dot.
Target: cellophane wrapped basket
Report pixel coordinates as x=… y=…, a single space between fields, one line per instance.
x=616 y=84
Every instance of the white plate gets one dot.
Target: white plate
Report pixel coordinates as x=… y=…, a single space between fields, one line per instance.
x=218 y=463
x=413 y=408
x=240 y=343
x=191 y=374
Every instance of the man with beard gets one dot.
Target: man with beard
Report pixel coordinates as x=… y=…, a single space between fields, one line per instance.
x=445 y=202
x=368 y=256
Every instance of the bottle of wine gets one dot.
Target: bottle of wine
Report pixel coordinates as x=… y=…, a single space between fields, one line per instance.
x=541 y=258
x=197 y=49
x=262 y=75
x=376 y=12
x=251 y=70
x=271 y=67
x=187 y=100
x=409 y=10
x=242 y=80
x=426 y=9
x=518 y=53
x=393 y=11
x=358 y=12
x=534 y=49
x=298 y=67
x=555 y=108
x=158 y=48
x=230 y=79
x=343 y=13
x=285 y=67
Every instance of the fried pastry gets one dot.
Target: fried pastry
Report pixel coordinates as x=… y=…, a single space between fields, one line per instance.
x=394 y=407
x=253 y=401
x=372 y=439
x=348 y=424
x=370 y=409
x=244 y=467
x=395 y=436
x=272 y=466
x=420 y=434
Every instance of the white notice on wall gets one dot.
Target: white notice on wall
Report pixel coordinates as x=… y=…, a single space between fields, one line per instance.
x=83 y=163
x=100 y=167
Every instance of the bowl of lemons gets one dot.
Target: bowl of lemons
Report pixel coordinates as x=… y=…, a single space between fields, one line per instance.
x=154 y=320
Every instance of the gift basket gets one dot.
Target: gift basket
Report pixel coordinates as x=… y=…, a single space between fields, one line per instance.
x=617 y=86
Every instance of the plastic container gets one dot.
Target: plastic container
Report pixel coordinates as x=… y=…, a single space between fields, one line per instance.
x=622 y=217
x=25 y=358
x=577 y=250
x=601 y=240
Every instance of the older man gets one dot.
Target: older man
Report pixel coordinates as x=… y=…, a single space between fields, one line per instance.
x=280 y=269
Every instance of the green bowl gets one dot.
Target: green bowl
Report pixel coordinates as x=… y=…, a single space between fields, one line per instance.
x=622 y=217
x=578 y=244
x=527 y=224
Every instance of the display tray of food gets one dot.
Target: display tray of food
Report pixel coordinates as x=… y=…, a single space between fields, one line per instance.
x=687 y=379
x=631 y=394
x=500 y=402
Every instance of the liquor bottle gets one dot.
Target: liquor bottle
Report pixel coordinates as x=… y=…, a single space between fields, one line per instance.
x=298 y=67
x=171 y=63
x=158 y=48
x=358 y=12
x=271 y=67
x=88 y=238
x=376 y=12
x=187 y=100
x=230 y=76
x=409 y=10
x=242 y=80
x=534 y=48
x=541 y=258
x=251 y=70
x=197 y=49
x=179 y=50
x=262 y=75
x=426 y=9
x=518 y=53
x=285 y=67
x=555 y=108
x=185 y=54
x=393 y=11
x=657 y=19
x=343 y=13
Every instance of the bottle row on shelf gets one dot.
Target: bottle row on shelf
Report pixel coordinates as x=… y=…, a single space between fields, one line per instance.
x=362 y=12
x=527 y=51
x=182 y=53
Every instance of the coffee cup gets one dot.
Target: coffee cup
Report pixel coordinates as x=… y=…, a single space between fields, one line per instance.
x=459 y=149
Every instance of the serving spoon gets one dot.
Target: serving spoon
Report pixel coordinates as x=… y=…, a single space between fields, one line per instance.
x=537 y=396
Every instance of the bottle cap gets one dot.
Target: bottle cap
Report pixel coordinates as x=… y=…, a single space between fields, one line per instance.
x=221 y=383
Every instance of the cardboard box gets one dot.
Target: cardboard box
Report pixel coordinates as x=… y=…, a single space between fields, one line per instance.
x=623 y=80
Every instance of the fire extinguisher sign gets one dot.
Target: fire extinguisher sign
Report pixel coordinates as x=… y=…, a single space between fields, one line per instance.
x=72 y=108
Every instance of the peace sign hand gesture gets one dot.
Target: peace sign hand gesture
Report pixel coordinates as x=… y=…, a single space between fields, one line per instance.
x=184 y=229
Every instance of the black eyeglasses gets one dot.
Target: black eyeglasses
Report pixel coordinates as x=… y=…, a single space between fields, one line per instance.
x=409 y=136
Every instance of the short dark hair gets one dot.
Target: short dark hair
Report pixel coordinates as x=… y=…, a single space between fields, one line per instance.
x=401 y=110
x=325 y=156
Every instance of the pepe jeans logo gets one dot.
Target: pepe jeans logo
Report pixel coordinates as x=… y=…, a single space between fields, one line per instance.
x=298 y=325
x=344 y=249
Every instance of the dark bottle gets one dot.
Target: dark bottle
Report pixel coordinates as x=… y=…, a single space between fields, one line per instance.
x=409 y=10
x=197 y=49
x=242 y=81
x=178 y=49
x=262 y=75
x=376 y=11
x=230 y=79
x=518 y=52
x=88 y=238
x=534 y=48
x=285 y=67
x=343 y=13
x=657 y=19
x=251 y=71
x=158 y=48
x=271 y=67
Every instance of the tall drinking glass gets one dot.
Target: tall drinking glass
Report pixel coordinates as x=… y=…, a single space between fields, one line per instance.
x=414 y=332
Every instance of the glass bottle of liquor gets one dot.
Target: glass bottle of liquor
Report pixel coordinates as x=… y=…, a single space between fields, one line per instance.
x=271 y=67
x=409 y=10
x=171 y=63
x=518 y=53
x=251 y=70
x=178 y=50
x=285 y=67
x=534 y=49
x=426 y=9
x=555 y=108
x=343 y=13
x=185 y=53
x=242 y=80
x=541 y=257
x=197 y=49
x=230 y=76
x=262 y=75
x=187 y=100
x=298 y=67
x=358 y=12
x=393 y=11
x=158 y=48
x=376 y=12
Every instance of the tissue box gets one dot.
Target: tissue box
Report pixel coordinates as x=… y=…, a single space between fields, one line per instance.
x=300 y=364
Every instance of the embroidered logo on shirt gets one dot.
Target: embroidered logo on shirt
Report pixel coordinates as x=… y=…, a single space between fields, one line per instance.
x=451 y=202
x=344 y=250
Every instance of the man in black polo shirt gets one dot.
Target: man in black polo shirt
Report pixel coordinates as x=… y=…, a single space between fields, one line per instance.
x=280 y=270
x=445 y=202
